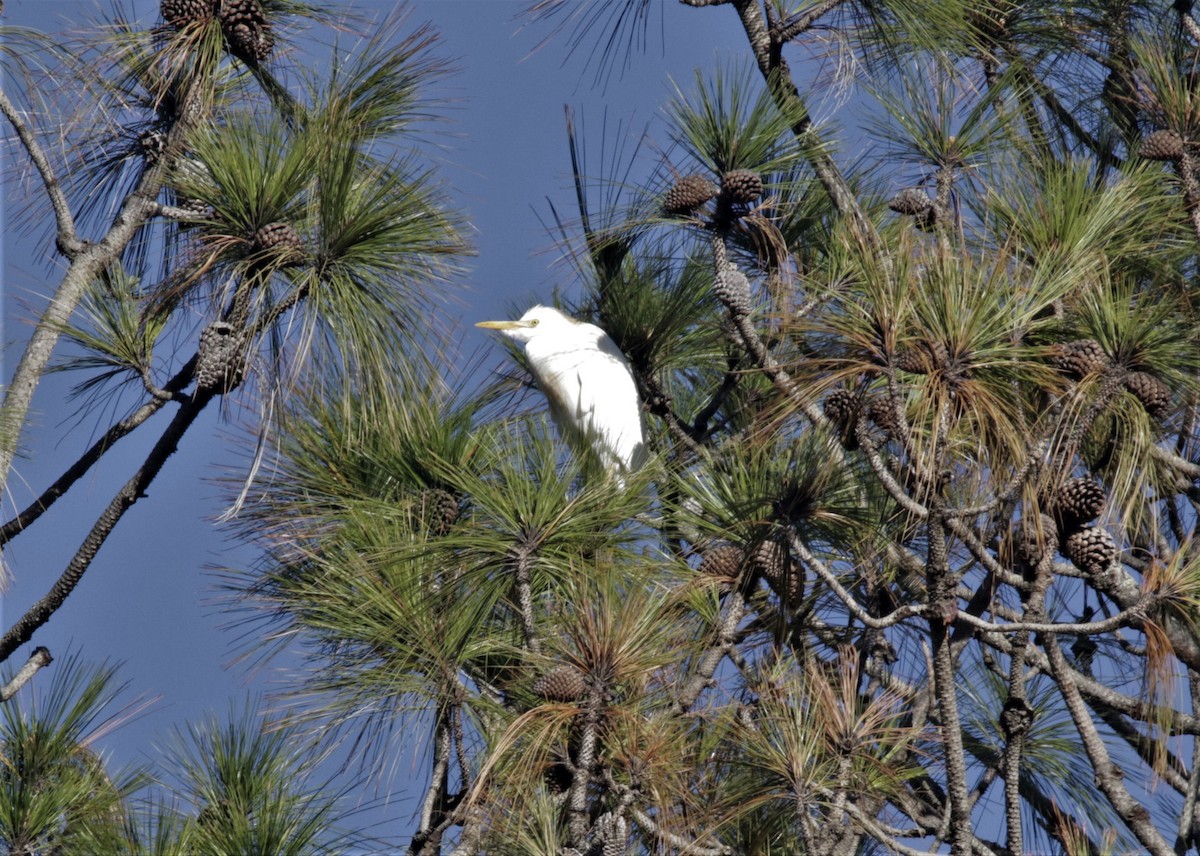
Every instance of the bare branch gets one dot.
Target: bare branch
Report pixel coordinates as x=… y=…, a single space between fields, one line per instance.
x=130 y=493
x=38 y=659
x=65 y=234
x=87 y=261
x=1124 y=618
x=1108 y=777
x=97 y=450
x=847 y=598
x=735 y=610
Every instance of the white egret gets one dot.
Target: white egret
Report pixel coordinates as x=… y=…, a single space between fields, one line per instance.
x=586 y=380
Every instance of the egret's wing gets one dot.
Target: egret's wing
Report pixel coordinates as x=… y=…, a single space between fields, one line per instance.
x=608 y=403
x=592 y=396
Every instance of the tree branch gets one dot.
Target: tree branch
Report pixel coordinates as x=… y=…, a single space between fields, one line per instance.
x=65 y=235
x=97 y=450
x=520 y=559
x=86 y=265
x=133 y=490
x=847 y=598
x=802 y=22
x=735 y=609
x=1108 y=777
x=39 y=658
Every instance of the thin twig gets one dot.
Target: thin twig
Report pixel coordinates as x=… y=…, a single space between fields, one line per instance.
x=847 y=598
x=677 y=843
x=66 y=236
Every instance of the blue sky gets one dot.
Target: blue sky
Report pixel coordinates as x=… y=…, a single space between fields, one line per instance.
x=150 y=599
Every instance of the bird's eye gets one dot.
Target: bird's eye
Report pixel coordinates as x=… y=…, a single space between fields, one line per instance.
x=534 y=322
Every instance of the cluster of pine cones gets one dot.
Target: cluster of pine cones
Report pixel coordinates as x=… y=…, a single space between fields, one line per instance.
x=243 y=22
x=1074 y=505
x=769 y=561
x=1082 y=357
x=690 y=193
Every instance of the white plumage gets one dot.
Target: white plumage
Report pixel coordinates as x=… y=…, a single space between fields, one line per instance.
x=587 y=382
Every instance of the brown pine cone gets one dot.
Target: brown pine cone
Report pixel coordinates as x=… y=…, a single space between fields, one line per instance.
x=1091 y=549
x=1080 y=358
x=246 y=29
x=773 y=564
x=688 y=194
x=179 y=13
x=438 y=510
x=741 y=186
x=924 y=357
x=1078 y=501
x=563 y=683
x=1154 y=395
x=883 y=414
x=841 y=406
x=280 y=239
x=1163 y=145
x=723 y=560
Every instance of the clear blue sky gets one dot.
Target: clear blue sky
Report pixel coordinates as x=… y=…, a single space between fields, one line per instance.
x=149 y=599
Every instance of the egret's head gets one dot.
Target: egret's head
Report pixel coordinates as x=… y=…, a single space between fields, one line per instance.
x=539 y=320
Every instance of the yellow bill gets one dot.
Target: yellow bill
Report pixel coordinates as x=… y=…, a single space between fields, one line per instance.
x=502 y=325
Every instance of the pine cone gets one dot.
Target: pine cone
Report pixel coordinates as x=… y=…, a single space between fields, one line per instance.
x=723 y=560
x=688 y=194
x=841 y=406
x=1035 y=537
x=1078 y=501
x=1080 y=358
x=883 y=414
x=924 y=357
x=612 y=833
x=1154 y=395
x=1090 y=549
x=1162 y=145
x=563 y=683
x=733 y=290
x=246 y=29
x=911 y=201
x=773 y=564
x=179 y=13
x=280 y=239
x=219 y=363
x=741 y=186
x=439 y=510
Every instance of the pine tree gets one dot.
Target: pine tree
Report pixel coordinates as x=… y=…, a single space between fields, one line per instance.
x=895 y=374
x=916 y=537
